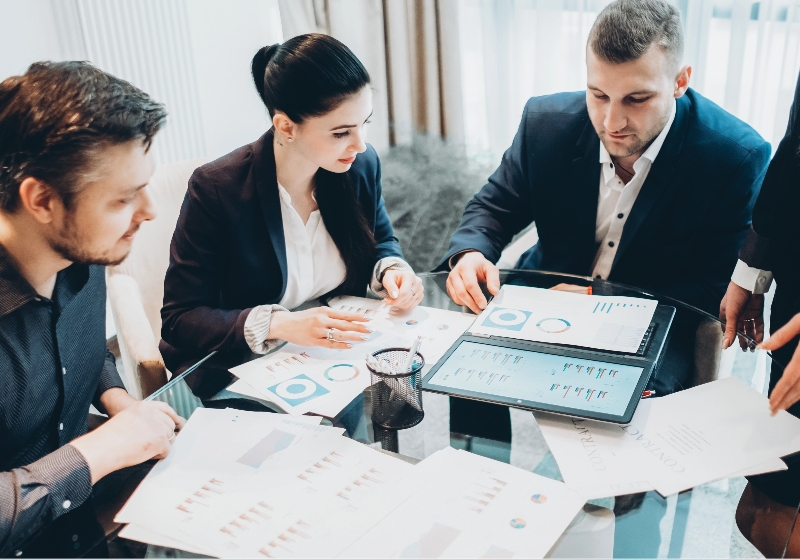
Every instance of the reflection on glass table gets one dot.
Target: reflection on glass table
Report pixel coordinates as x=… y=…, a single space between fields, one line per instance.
x=694 y=523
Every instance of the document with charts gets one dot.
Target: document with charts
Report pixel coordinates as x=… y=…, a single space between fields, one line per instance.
x=717 y=430
x=215 y=451
x=324 y=381
x=558 y=317
x=465 y=505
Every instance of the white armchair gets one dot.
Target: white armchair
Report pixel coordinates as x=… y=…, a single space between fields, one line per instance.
x=136 y=287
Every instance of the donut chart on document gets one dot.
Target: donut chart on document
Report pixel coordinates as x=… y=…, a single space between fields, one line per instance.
x=518 y=523
x=294 y=389
x=506 y=319
x=341 y=372
x=299 y=389
x=553 y=325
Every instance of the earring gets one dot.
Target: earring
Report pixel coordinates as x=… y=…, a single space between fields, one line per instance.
x=290 y=139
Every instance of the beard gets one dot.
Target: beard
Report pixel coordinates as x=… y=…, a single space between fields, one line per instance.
x=71 y=245
x=641 y=143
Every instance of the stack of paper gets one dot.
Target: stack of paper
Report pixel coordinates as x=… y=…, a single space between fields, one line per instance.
x=216 y=447
x=465 y=505
x=243 y=484
x=301 y=380
x=247 y=484
x=558 y=317
x=714 y=431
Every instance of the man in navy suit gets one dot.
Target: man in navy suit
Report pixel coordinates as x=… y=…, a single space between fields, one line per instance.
x=638 y=180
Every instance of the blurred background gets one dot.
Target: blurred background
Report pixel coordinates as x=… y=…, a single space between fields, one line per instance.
x=461 y=69
x=450 y=76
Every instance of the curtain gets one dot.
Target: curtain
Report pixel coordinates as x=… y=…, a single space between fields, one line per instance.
x=463 y=69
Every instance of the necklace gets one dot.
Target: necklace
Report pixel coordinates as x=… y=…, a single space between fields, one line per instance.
x=617 y=163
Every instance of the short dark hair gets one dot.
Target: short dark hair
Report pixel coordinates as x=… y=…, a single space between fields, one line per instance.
x=55 y=118
x=625 y=29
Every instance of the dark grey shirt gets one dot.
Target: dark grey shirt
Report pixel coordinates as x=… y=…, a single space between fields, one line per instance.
x=53 y=364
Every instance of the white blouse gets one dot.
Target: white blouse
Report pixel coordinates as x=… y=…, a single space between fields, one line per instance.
x=314 y=267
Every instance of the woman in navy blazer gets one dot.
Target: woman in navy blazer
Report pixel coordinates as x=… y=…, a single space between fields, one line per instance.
x=279 y=221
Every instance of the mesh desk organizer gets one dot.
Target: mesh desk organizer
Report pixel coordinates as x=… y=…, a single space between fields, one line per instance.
x=397 y=398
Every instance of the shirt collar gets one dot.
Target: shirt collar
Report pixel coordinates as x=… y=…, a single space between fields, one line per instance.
x=649 y=154
x=15 y=291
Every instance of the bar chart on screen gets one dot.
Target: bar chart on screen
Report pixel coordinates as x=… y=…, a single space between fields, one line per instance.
x=541 y=377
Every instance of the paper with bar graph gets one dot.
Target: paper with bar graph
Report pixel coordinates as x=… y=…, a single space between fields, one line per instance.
x=466 y=505
x=557 y=380
x=558 y=317
x=216 y=452
x=324 y=381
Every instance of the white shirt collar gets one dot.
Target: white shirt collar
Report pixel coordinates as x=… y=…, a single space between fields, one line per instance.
x=650 y=153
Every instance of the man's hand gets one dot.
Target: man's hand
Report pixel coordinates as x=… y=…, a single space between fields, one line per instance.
x=138 y=433
x=404 y=288
x=310 y=327
x=787 y=392
x=114 y=400
x=462 y=283
x=743 y=311
x=570 y=288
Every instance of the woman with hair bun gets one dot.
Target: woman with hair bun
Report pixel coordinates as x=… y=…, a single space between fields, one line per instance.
x=296 y=215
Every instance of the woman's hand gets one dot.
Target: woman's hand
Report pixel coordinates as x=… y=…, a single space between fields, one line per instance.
x=405 y=289
x=787 y=392
x=311 y=327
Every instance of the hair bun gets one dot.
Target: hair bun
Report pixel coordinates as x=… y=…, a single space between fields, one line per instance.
x=259 y=65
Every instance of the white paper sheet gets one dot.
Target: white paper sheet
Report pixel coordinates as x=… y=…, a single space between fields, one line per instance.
x=216 y=452
x=313 y=500
x=717 y=430
x=558 y=317
x=322 y=381
x=466 y=505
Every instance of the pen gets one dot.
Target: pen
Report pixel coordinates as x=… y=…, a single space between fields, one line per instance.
x=411 y=354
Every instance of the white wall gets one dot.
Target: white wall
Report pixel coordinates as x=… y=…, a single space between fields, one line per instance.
x=27 y=34
x=225 y=36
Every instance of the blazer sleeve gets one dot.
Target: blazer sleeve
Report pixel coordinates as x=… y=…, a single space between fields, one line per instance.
x=191 y=316
x=387 y=243
x=714 y=255
x=501 y=209
x=783 y=168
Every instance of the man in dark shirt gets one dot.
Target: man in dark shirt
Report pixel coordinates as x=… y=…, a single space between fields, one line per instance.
x=74 y=166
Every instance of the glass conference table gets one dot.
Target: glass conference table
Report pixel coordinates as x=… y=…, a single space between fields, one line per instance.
x=696 y=523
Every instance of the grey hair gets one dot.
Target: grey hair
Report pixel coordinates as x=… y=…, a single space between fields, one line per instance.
x=625 y=29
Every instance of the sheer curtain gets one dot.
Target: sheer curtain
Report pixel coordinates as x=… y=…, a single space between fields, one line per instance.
x=745 y=56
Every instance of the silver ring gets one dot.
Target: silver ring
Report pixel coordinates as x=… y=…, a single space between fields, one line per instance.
x=330 y=335
x=171 y=438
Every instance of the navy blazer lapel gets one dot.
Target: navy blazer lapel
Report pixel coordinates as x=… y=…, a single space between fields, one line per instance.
x=659 y=177
x=266 y=181
x=583 y=184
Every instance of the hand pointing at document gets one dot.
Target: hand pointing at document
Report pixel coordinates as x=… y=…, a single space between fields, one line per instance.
x=462 y=283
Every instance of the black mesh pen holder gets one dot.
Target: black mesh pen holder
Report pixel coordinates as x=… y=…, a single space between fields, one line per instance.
x=397 y=399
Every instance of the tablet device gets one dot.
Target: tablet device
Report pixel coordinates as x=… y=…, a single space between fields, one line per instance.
x=592 y=384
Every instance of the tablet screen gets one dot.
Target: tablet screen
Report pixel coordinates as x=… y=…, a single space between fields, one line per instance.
x=556 y=380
